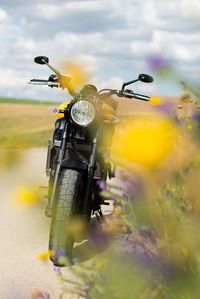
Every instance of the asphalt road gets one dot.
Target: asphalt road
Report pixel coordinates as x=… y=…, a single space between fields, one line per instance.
x=24 y=234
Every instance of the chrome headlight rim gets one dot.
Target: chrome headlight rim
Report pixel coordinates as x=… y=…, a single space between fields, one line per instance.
x=93 y=111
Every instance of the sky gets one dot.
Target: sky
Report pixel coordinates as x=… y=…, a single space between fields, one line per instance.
x=113 y=39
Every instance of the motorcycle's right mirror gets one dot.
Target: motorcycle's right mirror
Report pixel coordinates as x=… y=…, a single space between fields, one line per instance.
x=41 y=60
x=145 y=78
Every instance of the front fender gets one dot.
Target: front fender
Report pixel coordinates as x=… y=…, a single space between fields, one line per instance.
x=74 y=164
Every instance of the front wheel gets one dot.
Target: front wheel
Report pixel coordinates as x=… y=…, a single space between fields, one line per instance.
x=61 y=241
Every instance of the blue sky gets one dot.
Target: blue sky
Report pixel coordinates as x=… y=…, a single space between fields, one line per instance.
x=113 y=38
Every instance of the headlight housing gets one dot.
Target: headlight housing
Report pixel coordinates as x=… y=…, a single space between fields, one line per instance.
x=83 y=113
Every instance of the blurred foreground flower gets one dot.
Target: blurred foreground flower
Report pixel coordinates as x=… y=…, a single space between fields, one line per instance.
x=77 y=72
x=98 y=237
x=157 y=63
x=145 y=141
x=44 y=256
x=9 y=158
x=26 y=196
x=40 y=294
x=156 y=100
x=77 y=227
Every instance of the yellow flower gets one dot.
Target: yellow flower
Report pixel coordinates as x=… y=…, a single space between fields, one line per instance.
x=189 y=126
x=45 y=255
x=26 y=196
x=100 y=264
x=77 y=226
x=155 y=100
x=145 y=141
x=77 y=71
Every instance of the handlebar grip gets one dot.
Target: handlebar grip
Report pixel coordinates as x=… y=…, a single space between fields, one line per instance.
x=38 y=81
x=130 y=94
x=141 y=97
x=44 y=82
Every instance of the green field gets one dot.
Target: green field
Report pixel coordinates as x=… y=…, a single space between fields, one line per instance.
x=25 y=123
x=26 y=101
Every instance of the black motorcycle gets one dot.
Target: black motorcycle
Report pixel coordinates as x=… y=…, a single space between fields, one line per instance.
x=78 y=158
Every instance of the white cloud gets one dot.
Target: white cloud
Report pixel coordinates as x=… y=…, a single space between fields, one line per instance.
x=3 y=15
x=112 y=39
x=55 y=11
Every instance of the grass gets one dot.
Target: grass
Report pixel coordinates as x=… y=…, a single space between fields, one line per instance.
x=25 y=123
x=26 y=101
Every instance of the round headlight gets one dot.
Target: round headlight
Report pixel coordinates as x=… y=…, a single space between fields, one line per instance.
x=83 y=113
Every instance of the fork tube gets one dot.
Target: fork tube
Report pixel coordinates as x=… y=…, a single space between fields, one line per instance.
x=60 y=158
x=92 y=160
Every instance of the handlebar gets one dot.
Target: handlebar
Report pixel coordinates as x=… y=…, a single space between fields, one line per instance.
x=44 y=82
x=120 y=93
x=128 y=93
x=63 y=82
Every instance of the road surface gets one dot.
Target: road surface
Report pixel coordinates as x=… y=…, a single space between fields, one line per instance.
x=24 y=234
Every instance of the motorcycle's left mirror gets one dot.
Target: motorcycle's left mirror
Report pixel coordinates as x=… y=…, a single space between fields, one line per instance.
x=41 y=59
x=145 y=78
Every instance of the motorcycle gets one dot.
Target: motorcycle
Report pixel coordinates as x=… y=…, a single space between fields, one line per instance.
x=78 y=158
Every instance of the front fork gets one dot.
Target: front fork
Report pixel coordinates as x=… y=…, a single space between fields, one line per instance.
x=48 y=211
x=87 y=206
x=87 y=203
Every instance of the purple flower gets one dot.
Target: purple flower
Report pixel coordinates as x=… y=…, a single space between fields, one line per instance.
x=157 y=62
x=196 y=116
x=56 y=269
x=60 y=253
x=89 y=283
x=166 y=108
x=102 y=184
x=125 y=196
x=39 y=294
x=45 y=295
x=132 y=187
x=98 y=237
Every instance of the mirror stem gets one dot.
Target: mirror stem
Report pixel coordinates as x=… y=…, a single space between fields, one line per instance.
x=52 y=68
x=128 y=83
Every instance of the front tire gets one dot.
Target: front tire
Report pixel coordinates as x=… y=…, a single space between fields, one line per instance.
x=61 y=240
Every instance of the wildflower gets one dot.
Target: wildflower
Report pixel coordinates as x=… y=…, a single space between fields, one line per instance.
x=132 y=186
x=9 y=158
x=26 y=196
x=166 y=108
x=77 y=227
x=61 y=257
x=189 y=126
x=40 y=294
x=125 y=196
x=89 y=283
x=57 y=270
x=102 y=184
x=100 y=264
x=77 y=72
x=145 y=142
x=157 y=62
x=59 y=253
x=98 y=237
x=155 y=100
x=45 y=255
